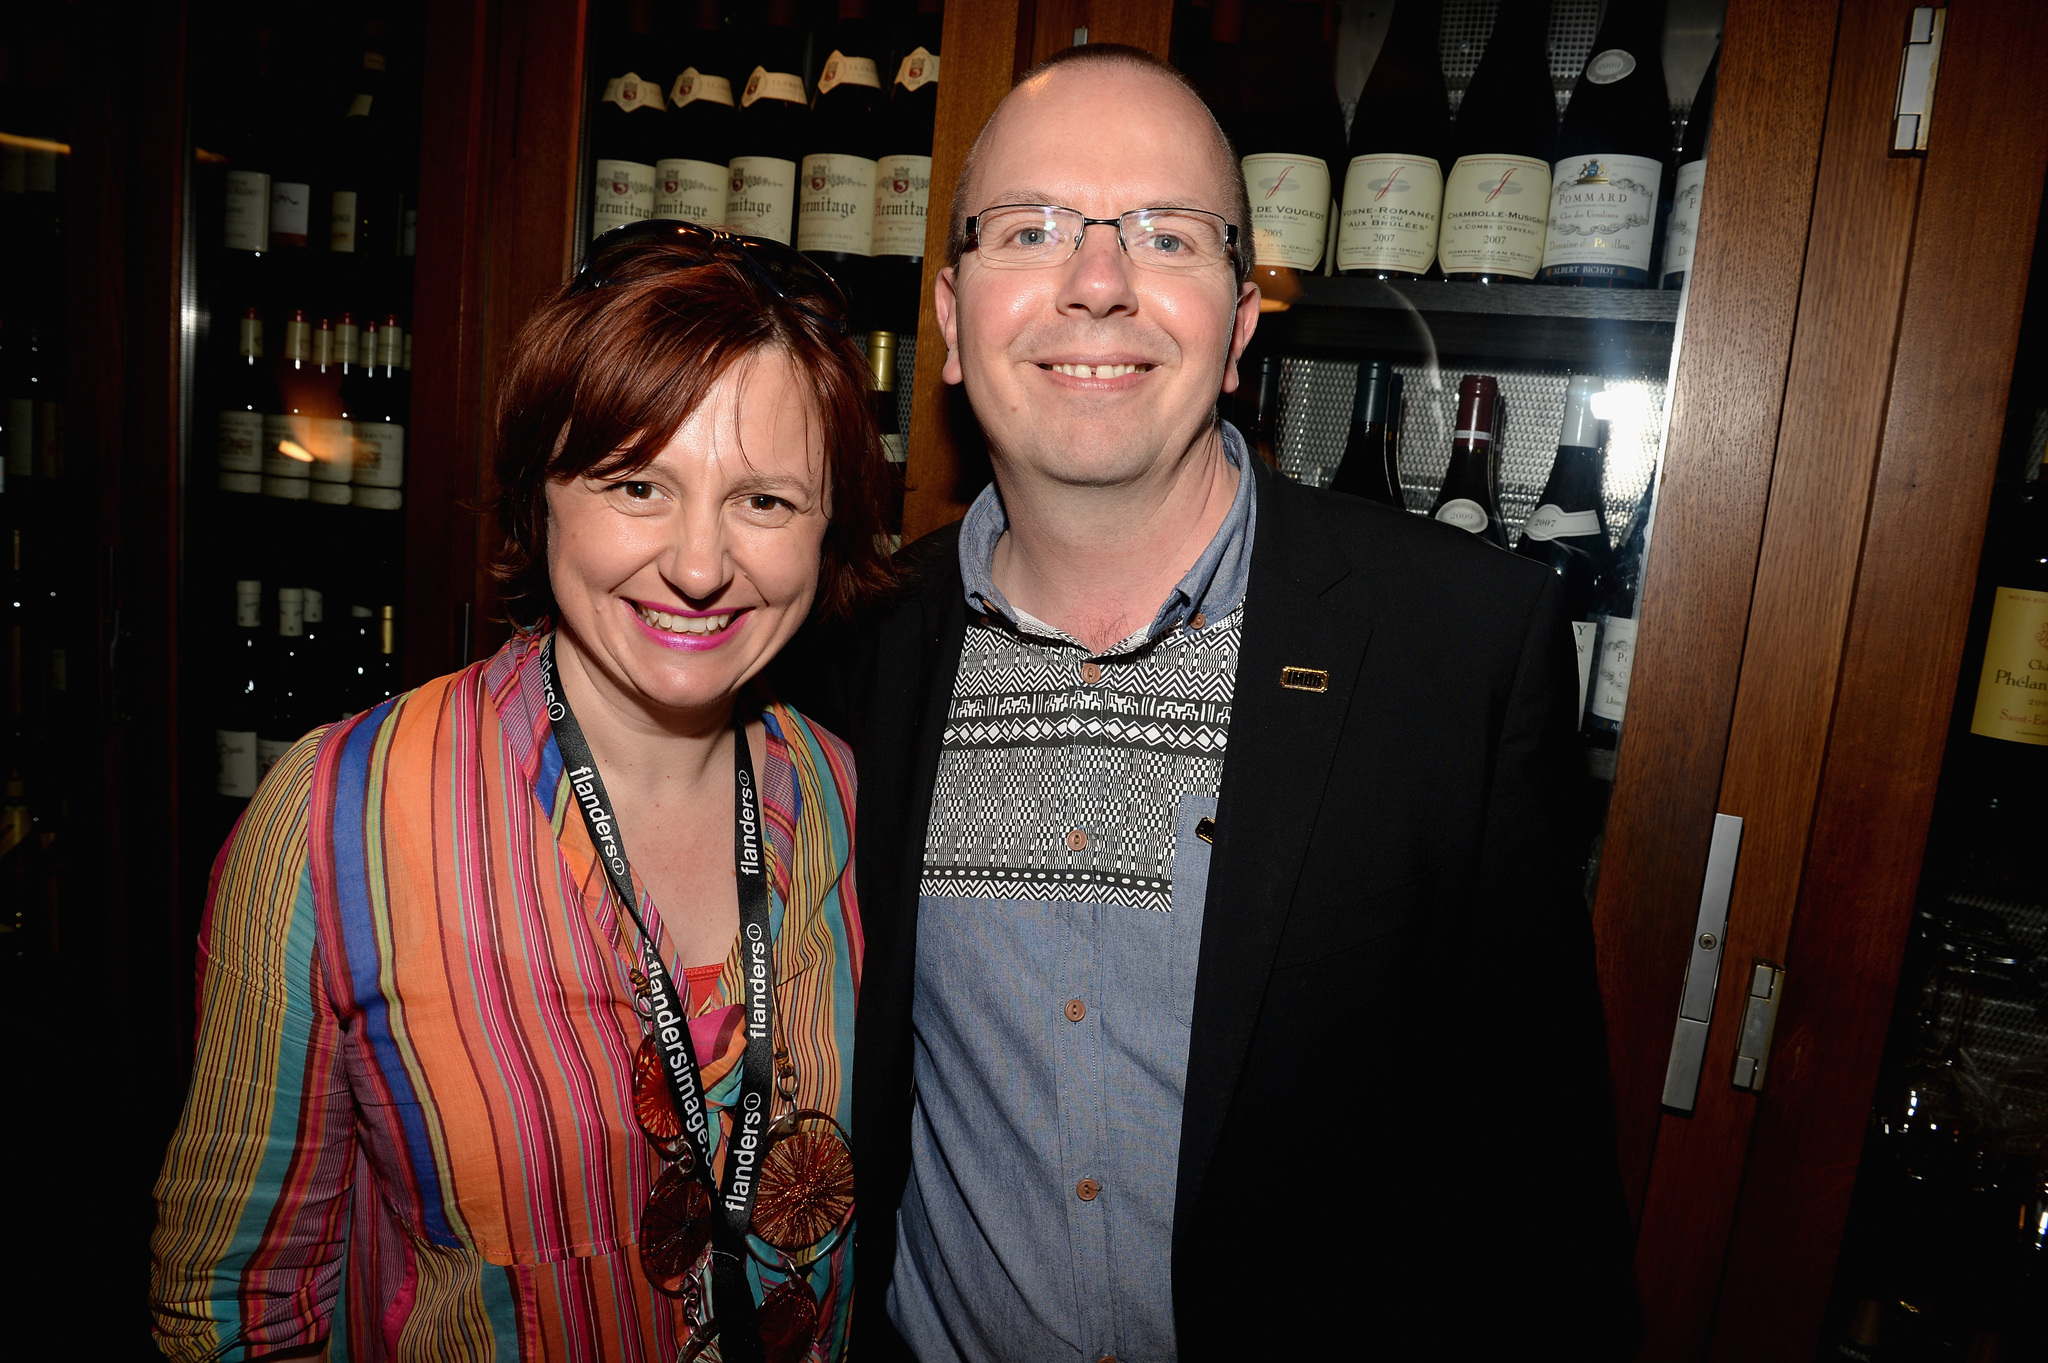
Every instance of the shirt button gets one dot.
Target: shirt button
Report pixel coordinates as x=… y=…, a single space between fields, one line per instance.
x=1077 y=841
x=1091 y=672
x=1076 y=1010
x=1087 y=1190
x=1200 y=621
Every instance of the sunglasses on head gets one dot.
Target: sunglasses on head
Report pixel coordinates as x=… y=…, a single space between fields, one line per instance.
x=788 y=274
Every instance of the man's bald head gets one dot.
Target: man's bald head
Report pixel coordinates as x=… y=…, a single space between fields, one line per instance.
x=1079 y=63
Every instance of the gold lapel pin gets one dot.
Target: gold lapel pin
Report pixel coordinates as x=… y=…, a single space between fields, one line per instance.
x=1304 y=679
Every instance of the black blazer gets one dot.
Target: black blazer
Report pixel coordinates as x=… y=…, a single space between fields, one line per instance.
x=1397 y=1130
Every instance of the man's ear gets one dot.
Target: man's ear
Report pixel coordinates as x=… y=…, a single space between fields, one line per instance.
x=1242 y=326
x=948 y=305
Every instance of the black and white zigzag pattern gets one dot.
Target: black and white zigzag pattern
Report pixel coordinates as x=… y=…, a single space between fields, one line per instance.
x=1032 y=752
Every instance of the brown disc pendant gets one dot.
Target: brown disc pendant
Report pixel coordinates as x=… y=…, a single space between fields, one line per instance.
x=655 y=1107
x=675 y=1230
x=806 y=1189
x=788 y=1320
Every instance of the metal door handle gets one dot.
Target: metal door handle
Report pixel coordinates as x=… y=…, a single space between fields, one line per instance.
x=1702 y=968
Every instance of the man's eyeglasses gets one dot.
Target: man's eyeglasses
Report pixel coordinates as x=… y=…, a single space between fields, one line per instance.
x=1030 y=236
x=789 y=275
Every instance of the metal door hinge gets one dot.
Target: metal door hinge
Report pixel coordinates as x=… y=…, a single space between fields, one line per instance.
x=1702 y=968
x=1759 y=1018
x=1918 y=70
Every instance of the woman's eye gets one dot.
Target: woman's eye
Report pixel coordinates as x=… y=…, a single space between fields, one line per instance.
x=761 y=501
x=639 y=492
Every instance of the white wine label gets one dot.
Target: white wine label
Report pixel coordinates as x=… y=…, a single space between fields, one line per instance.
x=316 y=607
x=332 y=494
x=917 y=69
x=1609 y=698
x=895 y=450
x=346 y=337
x=761 y=196
x=835 y=206
x=287 y=448
x=21 y=437
x=298 y=339
x=1584 y=635
x=2012 y=690
x=380 y=454
x=690 y=191
x=246 y=225
x=287 y=489
x=268 y=751
x=248 y=603
x=844 y=70
x=630 y=92
x=1496 y=216
x=391 y=347
x=1684 y=226
x=240 y=447
x=332 y=442
x=377 y=498
x=240 y=481
x=693 y=85
x=291 y=210
x=1393 y=205
x=323 y=347
x=235 y=764
x=291 y=612
x=625 y=193
x=249 y=338
x=763 y=84
x=341 y=221
x=1603 y=214
x=903 y=195
x=1464 y=513
x=1607 y=67
x=1552 y=522
x=1290 y=208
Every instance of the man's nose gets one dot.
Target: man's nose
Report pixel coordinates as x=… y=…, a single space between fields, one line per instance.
x=1098 y=280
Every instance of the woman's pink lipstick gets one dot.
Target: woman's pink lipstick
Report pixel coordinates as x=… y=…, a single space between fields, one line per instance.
x=688 y=643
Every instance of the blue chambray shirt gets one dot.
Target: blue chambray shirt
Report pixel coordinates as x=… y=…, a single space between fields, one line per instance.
x=1059 y=925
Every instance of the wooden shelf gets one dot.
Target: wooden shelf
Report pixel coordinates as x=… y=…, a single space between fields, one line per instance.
x=1534 y=325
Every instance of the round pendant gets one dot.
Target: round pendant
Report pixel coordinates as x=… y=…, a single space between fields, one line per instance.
x=655 y=1107
x=675 y=1230
x=806 y=1187
x=788 y=1320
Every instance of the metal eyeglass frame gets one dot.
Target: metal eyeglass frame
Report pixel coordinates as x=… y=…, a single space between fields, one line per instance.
x=972 y=237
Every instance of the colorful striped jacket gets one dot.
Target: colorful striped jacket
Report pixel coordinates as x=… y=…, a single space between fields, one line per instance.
x=410 y=1128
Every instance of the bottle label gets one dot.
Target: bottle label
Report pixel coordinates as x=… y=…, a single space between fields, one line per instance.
x=918 y=69
x=693 y=85
x=346 y=337
x=390 y=346
x=315 y=608
x=1603 y=211
x=763 y=84
x=246 y=226
x=359 y=106
x=835 y=209
x=323 y=347
x=341 y=221
x=248 y=603
x=1584 y=635
x=1496 y=215
x=380 y=454
x=1607 y=67
x=291 y=209
x=1551 y=522
x=1464 y=513
x=235 y=767
x=761 y=196
x=1290 y=208
x=376 y=498
x=240 y=481
x=630 y=92
x=894 y=450
x=268 y=751
x=21 y=437
x=1609 y=698
x=844 y=70
x=332 y=494
x=903 y=195
x=625 y=193
x=287 y=451
x=1684 y=227
x=249 y=338
x=332 y=442
x=1393 y=205
x=298 y=339
x=690 y=191
x=291 y=612
x=2012 y=690
x=287 y=489
x=240 y=448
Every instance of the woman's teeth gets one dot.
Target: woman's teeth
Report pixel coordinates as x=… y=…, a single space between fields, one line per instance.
x=1097 y=371
x=686 y=624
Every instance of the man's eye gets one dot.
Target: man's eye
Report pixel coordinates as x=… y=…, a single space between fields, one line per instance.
x=1167 y=245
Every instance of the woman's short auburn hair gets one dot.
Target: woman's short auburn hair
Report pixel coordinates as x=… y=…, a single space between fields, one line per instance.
x=600 y=381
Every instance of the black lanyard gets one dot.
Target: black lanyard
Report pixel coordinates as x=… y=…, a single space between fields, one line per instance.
x=732 y=1297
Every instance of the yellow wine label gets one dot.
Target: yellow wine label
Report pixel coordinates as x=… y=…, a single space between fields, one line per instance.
x=2012 y=692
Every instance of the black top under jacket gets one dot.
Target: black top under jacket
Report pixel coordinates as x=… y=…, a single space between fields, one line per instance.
x=1398 y=1138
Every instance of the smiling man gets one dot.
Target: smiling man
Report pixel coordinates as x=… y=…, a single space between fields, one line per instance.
x=1228 y=992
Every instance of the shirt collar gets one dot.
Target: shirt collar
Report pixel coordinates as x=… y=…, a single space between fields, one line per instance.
x=1212 y=588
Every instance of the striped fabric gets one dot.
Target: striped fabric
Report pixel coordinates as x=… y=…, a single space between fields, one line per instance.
x=410 y=1125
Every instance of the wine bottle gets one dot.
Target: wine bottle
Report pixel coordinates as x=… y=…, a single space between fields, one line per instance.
x=882 y=361
x=1615 y=646
x=1371 y=466
x=238 y=709
x=366 y=208
x=289 y=270
x=279 y=720
x=1692 y=174
x=331 y=437
x=245 y=215
x=287 y=457
x=248 y=397
x=903 y=180
x=1289 y=130
x=1567 y=532
x=1468 y=499
x=1497 y=194
x=382 y=674
x=770 y=133
x=835 y=204
x=689 y=176
x=1394 y=183
x=1610 y=156
x=628 y=133
x=377 y=410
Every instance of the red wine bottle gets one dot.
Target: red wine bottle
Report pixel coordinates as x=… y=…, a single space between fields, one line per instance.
x=1610 y=156
x=903 y=180
x=1615 y=647
x=1692 y=174
x=1468 y=498
x=1371 y=466
x=1289 y=130
x=696 y=141
x=238 y=707
x=771 y=132
x=1497 y=192
x=835 y=193
x=627 y=134
x=1567 y=532
x=1394 y=182
x=248 y=396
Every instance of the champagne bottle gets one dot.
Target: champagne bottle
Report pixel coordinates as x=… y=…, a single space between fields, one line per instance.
x=882 y=360
x=1467 y=498
x=835 y=201
x=238 y=708
x=1371 y=465
x=771 y=132
x=1567 y=532
x=628 y=133
x=1692 y=174
x=1615 y=644
x=1610 y=156
x=1394 y=184
x=248 y=397
x=1497 y=194
x=689 y=176
x=1289 y=130
x=903 y=180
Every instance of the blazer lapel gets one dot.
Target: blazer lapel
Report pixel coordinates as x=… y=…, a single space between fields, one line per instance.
x=1283 y=739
